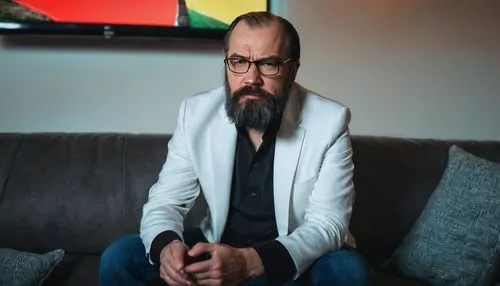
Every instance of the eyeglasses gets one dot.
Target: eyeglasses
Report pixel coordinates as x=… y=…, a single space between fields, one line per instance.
x=266 y=67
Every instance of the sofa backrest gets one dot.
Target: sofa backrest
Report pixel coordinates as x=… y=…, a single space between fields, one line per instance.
x=80 y=192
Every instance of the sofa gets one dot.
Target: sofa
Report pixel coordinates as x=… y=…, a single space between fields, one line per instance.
x=81 y=191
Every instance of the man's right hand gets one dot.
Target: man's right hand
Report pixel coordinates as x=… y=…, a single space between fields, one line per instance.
x=172 y=262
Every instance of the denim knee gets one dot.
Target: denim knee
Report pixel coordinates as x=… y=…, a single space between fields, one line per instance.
x=342 y=267
x=118 y=253
x=125 y=260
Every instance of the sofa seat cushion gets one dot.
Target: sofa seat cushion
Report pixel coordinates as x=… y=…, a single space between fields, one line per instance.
x=76 y=270
x=455 y=240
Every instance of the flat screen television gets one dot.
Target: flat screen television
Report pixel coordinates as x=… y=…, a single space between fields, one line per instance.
x=188 y=19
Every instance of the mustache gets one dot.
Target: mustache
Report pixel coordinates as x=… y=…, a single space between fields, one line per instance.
x=252 y=90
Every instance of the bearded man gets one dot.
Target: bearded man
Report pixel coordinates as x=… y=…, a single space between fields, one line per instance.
x=273 y=161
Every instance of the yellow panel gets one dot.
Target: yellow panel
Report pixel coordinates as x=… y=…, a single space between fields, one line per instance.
x=226 y=10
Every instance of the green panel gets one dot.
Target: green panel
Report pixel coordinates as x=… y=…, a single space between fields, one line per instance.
x=198 y=20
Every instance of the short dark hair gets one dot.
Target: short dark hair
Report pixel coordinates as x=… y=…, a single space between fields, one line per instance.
x=263 y=19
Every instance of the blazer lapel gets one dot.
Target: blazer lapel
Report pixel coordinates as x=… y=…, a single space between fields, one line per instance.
x=288 y=147
x=222 y=147
x=286 y=157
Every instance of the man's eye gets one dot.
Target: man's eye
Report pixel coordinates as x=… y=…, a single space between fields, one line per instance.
x=269 y=64
x=238 y=61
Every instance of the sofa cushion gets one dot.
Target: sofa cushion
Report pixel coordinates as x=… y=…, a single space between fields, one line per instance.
x=27 y=268
x=390 y=279
x=62 y=188
x=456 y=238
x=76 y=270
x=9 y=144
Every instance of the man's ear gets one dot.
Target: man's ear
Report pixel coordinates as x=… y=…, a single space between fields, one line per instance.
x=294 y=70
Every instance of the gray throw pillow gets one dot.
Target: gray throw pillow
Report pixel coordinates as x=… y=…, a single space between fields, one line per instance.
x=19 y=268
x=455 y=241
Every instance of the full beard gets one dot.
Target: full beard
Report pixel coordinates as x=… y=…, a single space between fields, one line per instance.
x=255 y=113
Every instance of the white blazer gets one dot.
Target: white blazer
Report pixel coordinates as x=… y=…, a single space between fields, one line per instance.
x=313 y=171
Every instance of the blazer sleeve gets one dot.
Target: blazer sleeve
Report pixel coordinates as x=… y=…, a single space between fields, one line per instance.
x=328 y=212
x=175 y=191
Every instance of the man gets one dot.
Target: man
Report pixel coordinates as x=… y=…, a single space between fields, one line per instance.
x=274 y=163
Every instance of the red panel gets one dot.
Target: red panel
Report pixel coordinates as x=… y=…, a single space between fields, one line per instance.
x=149 y=12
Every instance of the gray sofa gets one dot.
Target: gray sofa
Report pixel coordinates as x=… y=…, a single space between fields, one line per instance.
x=80 y=192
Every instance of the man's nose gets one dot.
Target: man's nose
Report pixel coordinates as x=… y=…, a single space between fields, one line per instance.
x=253 y=75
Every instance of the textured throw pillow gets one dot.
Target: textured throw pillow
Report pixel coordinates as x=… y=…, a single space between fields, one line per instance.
x=18 y=268
x=455 y=241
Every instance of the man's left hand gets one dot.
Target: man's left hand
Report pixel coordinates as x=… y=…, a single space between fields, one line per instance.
x=227 y=265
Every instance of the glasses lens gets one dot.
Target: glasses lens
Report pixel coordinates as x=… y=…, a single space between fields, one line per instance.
x=269 y=67
x=265 y=67
x=238 y=65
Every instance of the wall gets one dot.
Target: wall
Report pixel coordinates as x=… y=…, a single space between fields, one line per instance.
x=422 y=69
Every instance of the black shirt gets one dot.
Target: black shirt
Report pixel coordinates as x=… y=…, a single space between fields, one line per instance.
x=251 y=217
x=251 y=220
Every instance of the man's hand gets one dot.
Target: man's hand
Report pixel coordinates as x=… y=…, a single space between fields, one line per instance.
x=227 y=265
x=172 y=264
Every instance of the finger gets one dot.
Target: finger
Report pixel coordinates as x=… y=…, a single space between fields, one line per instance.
x=199 y=267
x=209 y=282
x=175 y=276
x=201 y=276
x=178 y=254
x=200 y=248
x=169 y=281
x=173 y=254
x=165 y=277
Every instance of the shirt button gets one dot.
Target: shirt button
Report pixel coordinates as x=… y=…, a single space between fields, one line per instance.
x=253 y=194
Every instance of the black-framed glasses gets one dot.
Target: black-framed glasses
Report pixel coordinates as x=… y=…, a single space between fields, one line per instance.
x=266 y=67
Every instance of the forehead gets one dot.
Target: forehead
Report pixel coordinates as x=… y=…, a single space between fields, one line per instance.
x=257 y=41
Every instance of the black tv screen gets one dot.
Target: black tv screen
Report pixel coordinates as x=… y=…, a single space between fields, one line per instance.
x=204 y=19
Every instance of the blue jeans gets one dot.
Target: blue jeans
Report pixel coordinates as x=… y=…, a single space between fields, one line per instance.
x=124 y=263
